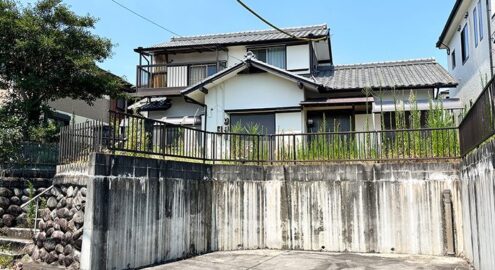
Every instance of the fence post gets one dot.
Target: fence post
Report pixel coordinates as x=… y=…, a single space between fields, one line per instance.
x=204 y=145
x=270 y=147
x=294 y=147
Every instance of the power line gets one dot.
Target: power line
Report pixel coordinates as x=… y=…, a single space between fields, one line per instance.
x=275 y=27
x=165 y=28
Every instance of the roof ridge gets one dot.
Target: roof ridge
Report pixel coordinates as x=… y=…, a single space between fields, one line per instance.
x=183 y=38
x=390 y=63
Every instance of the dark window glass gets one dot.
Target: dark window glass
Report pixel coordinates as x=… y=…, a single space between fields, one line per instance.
x=329 y=121
x=453 y=59
x=265 y=121
x=465 y=44
x=389 y=120
x=480 y=19
x=475 y=24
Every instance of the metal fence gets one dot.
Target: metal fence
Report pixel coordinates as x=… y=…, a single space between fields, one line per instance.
x=139 y=136
x=79 y=140
x=478 y=124
x=34 y=153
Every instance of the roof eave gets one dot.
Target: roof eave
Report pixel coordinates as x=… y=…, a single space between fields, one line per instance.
x=402 y=87
x=447 y=26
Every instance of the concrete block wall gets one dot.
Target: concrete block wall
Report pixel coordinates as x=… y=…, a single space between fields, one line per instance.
x=141 y=212
x=478 y=202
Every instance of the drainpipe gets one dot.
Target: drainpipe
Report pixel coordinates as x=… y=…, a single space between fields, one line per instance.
x=190 y=100
x=490 y=40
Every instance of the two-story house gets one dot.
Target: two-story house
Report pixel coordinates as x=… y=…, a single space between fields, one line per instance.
x=284 y=83
x=468 y=40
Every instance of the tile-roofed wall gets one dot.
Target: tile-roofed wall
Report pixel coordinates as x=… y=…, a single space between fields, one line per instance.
x=399 y=74
x=244 y=37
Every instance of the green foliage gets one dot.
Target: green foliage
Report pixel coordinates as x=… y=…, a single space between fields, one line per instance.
x=246 y=142
x=11 y=129
x=31 y=213
x=46 y=132
x=47 y=53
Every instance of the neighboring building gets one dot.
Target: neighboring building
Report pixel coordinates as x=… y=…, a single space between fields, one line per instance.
x=68 y=110
x=468 y=39
x=284 y=83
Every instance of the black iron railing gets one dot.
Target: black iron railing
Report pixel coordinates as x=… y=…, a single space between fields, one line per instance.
x=139 y=136
x=478 y=124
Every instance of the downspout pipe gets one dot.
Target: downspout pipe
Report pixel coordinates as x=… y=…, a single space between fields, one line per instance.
x=490 y=37
x=190 y=100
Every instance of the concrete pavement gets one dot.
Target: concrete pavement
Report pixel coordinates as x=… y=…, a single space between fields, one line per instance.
x=299 y=260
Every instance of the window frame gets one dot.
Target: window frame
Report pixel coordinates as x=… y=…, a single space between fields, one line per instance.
x=475 y=26
x=480 y=19
x=453 y=59
x=465 y=44
x=266 y=50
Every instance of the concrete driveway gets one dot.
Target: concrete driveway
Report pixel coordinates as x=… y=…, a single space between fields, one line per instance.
x=299 y=260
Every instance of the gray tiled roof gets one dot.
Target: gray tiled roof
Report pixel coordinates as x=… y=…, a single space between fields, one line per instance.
x=244 y=37
x=400 y=74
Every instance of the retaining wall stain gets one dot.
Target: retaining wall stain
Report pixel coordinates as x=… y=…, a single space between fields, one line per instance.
x=184 y=209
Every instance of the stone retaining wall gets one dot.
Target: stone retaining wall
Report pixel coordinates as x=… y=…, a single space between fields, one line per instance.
x=59 y=240
x=13 y=193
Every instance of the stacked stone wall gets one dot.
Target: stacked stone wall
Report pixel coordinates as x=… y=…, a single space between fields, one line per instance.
x=59 y=239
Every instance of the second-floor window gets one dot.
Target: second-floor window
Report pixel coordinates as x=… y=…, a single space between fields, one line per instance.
x=480 y=20
x=453 y=59
x=274 y=56
x=199 y=72
x=475 y=25
x=465 y=44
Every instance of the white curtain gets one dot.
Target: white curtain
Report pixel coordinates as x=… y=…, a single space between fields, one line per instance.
x=276 y=57
x=196 y=74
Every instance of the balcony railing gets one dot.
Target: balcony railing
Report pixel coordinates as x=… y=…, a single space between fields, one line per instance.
x=478 y=124
x=138 y=136
x=174 y=75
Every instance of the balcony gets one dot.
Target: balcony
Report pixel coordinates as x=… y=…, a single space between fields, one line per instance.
x=169 y=79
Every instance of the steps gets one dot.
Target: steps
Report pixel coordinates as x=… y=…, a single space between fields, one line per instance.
x=12 y=243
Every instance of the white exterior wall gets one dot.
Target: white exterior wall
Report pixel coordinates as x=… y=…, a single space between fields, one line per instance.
x=374 y=122
x=236 y=54
x=476 y=66
x=298 y=57
x=290 y=122
x=250 y=91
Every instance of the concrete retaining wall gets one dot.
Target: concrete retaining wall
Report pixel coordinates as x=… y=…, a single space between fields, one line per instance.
x=141 y=212
x=478 y=199
x=387 y=208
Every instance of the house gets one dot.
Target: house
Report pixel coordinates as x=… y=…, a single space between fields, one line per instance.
x=68 y=110
x=467 y=38
x=284 y=83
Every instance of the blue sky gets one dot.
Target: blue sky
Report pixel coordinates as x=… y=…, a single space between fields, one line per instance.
x=362 y=30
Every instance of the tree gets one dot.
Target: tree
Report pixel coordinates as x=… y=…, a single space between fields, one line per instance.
x=48 y=52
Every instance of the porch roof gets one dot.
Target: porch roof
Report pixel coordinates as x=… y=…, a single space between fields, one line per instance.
x=408 y=74
x=337 y=101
